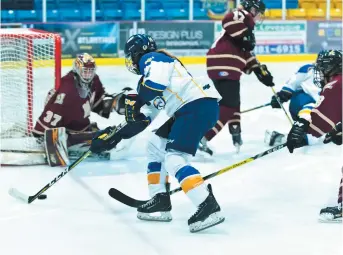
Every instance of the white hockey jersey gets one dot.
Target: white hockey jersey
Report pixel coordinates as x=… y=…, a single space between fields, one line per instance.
x=303 y=80
x=168 y=85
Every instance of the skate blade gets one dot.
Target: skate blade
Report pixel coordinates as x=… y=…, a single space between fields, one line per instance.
x=210 y=221
x=160 y=216
x=329 y=218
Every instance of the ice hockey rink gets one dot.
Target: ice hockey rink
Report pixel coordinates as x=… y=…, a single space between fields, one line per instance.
x=271 y=205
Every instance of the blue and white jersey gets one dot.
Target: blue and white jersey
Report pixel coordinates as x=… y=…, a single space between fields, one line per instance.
x=167 y=84
x=303 y=80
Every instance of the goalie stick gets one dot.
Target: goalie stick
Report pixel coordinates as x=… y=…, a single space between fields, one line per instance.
x=29 y=199
x=129 y=201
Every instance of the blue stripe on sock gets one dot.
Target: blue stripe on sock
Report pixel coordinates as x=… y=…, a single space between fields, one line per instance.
x=154 y=167
x=184 y=172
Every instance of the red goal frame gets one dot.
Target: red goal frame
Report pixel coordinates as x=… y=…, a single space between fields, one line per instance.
x=35 y=34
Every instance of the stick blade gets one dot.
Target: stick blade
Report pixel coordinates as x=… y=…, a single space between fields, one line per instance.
x=125 y=199
x=18 y=195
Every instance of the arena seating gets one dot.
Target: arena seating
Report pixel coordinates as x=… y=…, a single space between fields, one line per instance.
x=80 y=10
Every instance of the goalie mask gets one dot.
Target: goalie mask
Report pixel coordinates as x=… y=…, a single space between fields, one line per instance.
x=84 y=66
x=328 y=64
x=135 y=47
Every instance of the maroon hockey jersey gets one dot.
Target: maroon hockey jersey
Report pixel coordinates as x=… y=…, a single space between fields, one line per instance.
x=226 y=60
x=328 y=111
x=66 y=108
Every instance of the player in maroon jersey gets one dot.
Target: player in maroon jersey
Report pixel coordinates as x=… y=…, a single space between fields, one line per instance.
x=228 y=58
x=334 y=213
x=81 y=92
x=326 y=117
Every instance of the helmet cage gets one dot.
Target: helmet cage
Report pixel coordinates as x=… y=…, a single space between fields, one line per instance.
x=136 y=46
x=84 y=66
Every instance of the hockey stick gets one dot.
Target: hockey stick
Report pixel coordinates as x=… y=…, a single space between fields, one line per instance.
x=129 y=201
x=283 y=108
x=277 y=98
x=29 y=199
x=255 y=108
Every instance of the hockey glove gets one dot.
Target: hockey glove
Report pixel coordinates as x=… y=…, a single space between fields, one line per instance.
x=102 y=142
x=264 y=76
x=335 y=135
x=283 y=97
x=248 y=41
x=132 y=108
x=297 y=136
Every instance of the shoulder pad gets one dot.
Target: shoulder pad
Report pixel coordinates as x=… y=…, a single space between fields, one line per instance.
x=148 y=58
x=305 y=68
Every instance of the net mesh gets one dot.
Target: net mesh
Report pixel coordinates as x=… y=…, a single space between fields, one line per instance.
x=28 y=72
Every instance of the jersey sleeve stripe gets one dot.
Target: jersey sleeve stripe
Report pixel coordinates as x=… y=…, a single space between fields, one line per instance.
x=330 y=122
x=227 y=56
x=239 y=32
x=288 y=90
x=250 y=59
x=230 y=23
x=224 y=68
x=154 y=86
x=316 y=129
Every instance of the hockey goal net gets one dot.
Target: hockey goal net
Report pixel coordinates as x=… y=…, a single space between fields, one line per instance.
x=30 y=66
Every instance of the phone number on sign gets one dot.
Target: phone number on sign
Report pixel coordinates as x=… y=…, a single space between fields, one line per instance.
x=279 y=49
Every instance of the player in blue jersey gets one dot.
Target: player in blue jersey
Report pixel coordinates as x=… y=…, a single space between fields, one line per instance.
x=302 y=94
x=193 y=109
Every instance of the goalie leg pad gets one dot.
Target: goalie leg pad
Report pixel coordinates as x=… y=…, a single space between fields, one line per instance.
x=56 y=146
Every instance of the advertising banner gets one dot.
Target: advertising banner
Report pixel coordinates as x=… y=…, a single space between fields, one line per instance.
x=281 y=37
x=179 y=37
x=99 y=40
x=277 y=37
x=322 y=35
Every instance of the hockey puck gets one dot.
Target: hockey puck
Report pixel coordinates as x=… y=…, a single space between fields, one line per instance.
x=42 y=197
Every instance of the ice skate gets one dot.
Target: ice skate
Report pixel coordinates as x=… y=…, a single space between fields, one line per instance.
x=331 y=214
x=204 y=147
x=235 y=131
x=274 y=138
x=207 y=215
x=156 y=209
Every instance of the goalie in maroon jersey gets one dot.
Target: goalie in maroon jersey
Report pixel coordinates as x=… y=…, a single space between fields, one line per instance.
x=65 y=120
x=229 y=56
x=326 y=117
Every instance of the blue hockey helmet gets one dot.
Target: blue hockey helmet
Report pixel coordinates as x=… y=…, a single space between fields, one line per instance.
x=135 y=47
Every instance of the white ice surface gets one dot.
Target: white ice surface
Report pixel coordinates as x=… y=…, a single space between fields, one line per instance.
x=271 y=205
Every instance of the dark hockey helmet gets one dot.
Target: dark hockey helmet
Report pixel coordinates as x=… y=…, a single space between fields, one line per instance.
x=255 y=7
x=135 y=47
x=328 y=64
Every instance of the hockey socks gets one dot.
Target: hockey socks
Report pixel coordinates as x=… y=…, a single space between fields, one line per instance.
x=225 y=114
